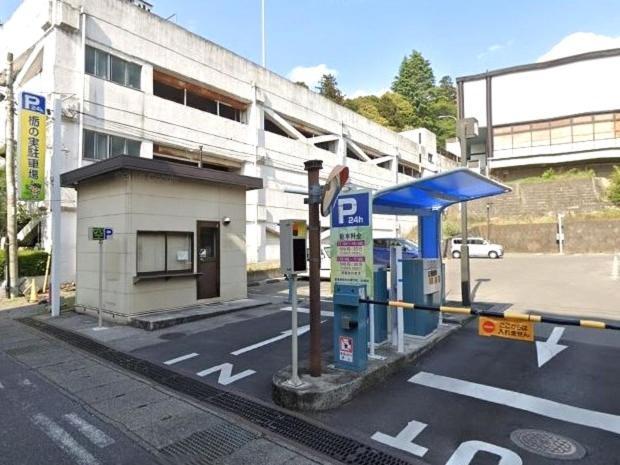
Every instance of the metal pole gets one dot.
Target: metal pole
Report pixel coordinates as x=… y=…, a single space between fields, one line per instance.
x=295 y=381
x=262 y=27
x=560 y=235
x=371 y=317
x=11 y=194
x=489 y=221
x=55 y=205
x=465 y=279
x=100 y=322
x=314 y=234
x=400 y=317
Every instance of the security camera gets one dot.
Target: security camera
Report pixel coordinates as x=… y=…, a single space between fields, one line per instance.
x=226 y=220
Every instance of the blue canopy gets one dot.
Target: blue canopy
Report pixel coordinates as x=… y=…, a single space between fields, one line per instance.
x=423 y=196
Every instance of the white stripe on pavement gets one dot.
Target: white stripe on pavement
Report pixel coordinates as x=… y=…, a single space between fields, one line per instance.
x=64 y=440
x=1 y=386
x=180 y=359
x=537 y=405
x=93 y=434
x=300 y=331
x=307 y=310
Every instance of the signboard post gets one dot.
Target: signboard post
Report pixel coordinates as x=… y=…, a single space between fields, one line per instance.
x=32 y=131
x=352 y=247
x=100 y=234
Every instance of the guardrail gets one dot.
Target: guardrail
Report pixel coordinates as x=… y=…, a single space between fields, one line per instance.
x=510 y=316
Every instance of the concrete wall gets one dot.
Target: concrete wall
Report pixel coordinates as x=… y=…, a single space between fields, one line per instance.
x=129 y=202
x=544 y=198
x=594 y=236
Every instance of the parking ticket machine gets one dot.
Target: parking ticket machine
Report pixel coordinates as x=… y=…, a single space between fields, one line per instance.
x=423 y=287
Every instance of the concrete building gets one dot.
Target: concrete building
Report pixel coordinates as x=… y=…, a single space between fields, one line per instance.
x=133 y=83
x=561 y=114
x=160 y=256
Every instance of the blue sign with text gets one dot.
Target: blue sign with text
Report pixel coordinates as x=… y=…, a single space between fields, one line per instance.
x=33 y=102
x=351 y=210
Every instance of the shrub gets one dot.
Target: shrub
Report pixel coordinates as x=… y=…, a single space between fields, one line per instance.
x=30 y=262
x=450 y=229
x=548 y=174
x=613 y=192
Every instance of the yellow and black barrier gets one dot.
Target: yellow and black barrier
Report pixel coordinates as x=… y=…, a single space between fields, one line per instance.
x=510 y=316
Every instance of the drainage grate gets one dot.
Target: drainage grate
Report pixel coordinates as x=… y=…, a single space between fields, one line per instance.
x=333 y=445
x=550 y=445
x=207 y=446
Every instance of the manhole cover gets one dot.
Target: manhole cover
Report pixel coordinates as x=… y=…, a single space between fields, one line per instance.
x=171 y=336
x=547 y=444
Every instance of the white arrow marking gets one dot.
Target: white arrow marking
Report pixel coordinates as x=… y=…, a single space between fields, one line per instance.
x=226 y=377
x=283 y=335
x=545 y=351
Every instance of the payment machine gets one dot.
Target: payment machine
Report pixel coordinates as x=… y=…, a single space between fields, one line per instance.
x=422 y=286
x=350 y=327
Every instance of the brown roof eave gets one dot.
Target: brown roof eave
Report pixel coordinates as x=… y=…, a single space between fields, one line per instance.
x=160 y=167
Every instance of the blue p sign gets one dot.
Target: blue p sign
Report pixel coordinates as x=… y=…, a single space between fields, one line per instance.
x=107 y=233
x=33 y=102
x=351 y=210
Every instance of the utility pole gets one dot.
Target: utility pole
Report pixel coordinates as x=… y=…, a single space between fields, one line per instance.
x=11 y=200
x=465 y=279
x=314 y=234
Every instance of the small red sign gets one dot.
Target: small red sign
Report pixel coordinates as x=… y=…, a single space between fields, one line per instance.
x=488 y=326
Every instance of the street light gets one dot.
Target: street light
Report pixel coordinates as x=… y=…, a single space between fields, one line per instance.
x=466 y=128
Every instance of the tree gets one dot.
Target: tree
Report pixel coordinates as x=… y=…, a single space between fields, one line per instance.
x=302 y=84
x=391 y=110
x=614 y=187
x=443 y=103
x=328 y=87
x=415 y=81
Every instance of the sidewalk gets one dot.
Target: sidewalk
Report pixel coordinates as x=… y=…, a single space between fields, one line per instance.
x=173 y=428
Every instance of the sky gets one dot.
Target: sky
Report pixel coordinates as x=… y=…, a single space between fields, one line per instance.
x=363 y=42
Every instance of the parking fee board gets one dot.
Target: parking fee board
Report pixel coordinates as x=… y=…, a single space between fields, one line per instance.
x=351 y=240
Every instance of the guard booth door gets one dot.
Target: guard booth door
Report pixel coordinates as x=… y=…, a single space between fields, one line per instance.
x=208 y=259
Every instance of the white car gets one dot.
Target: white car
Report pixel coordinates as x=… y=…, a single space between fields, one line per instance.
x=326 y=263
x=478 y=247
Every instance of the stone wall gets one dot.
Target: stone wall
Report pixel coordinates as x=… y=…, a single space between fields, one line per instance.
x=593 y=236
x=544 y=199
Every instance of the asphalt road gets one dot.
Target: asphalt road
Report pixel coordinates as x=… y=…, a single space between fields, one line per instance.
x=39 y=425
x=469 y=391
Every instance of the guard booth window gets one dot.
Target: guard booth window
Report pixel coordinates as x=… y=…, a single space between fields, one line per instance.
x=164 y=252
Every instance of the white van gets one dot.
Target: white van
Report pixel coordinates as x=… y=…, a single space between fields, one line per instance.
x=326 y=263
x=478 y=247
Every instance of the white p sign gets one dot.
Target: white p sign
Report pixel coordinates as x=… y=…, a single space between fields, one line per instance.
x=347 y=206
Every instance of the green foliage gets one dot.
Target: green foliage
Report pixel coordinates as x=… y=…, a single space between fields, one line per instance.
x=391 y=110
x=548 y=174
x=302 y=84
x=613 y=192
x=30 y=262
x=450 y=228
x=328 y=87
x=416 y=82
x=415 y=100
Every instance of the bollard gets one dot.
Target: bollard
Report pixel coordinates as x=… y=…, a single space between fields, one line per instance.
x=615 y=268
x=34 y=297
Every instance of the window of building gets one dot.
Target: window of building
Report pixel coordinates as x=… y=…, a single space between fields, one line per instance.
x=112 y=68
x=583 y=129
x=521 y=136
x=541 y=134
x=99 y=146
x=164 y=252
x=561 y=132
x=408 y=170
x=604 y=126
x=196 y=96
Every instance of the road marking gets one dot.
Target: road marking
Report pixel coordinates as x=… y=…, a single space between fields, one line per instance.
x=548 y=349
x=93 y=434
x=180 y=359
x=404 y=439
x=25 y=382
x=225 y=370
x=1 y=386
x=307 y=310
x=537 y=405
x=468 y=449
x=64 y=440
x=301 y=330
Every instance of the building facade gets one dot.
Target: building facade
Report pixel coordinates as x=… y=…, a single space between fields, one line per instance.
x=560 y=114
x=134 y=83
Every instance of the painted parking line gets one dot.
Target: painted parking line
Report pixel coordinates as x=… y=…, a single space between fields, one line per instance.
x=301 y=330
x=307 y=310
x=64 y=440
x=93 y=434
x=517 y=400
x=225 y=373
x=180 y=359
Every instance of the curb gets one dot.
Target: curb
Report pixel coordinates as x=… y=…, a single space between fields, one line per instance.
x=346 y=384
